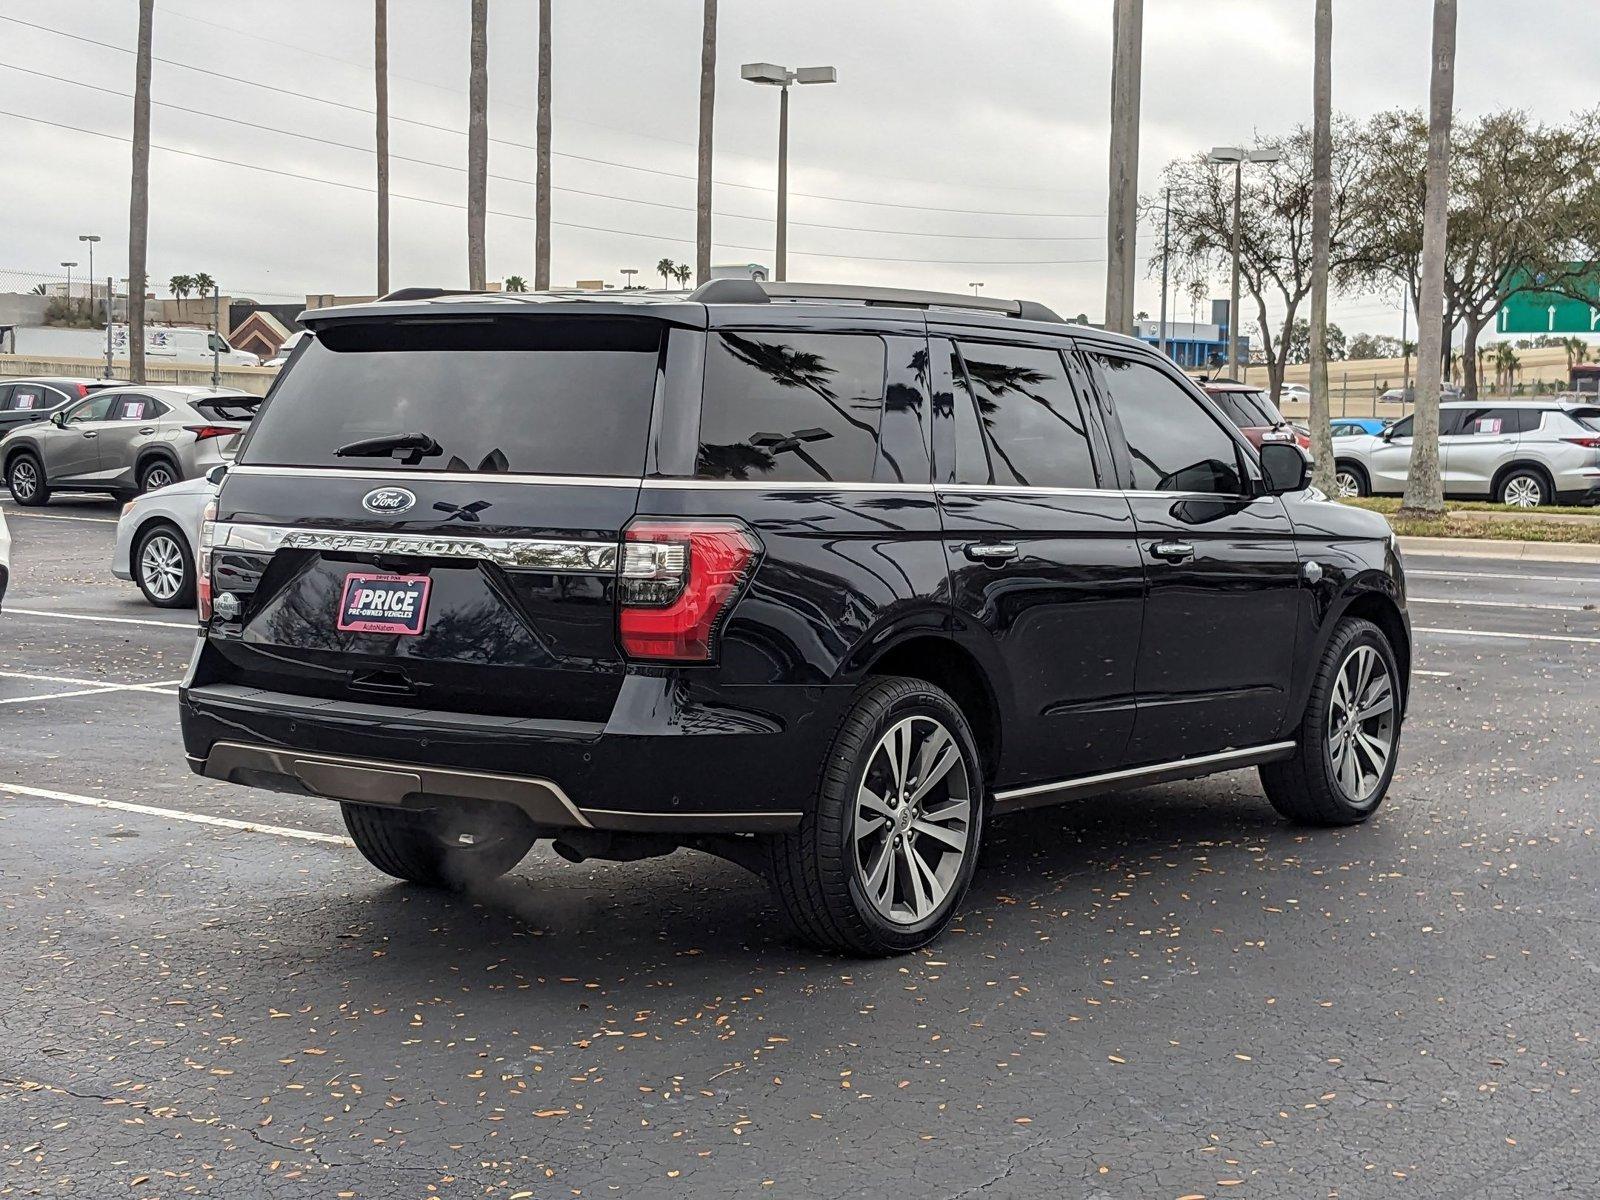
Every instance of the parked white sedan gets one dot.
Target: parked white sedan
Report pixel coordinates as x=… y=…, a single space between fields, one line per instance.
x=156 y=539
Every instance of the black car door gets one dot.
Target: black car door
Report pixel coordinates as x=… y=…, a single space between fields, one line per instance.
x=1040 y=554
x=1224 y=595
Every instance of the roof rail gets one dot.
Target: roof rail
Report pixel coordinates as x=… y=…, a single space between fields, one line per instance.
x=424 y=293
x=751 y=291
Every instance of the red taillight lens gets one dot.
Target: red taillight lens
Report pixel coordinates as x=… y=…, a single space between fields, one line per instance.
x=202 y=581
x=1588 y=443
x=83 y=390
x=202 y=432
x=678 y=583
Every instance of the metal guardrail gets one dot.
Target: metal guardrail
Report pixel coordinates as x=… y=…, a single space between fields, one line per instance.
x=246 y=379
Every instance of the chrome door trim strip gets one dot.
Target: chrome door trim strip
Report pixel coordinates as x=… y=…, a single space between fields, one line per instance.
x=1011 y=799
x=556 y=556
x=415 y=477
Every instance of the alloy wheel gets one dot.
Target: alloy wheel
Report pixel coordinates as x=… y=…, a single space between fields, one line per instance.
x=913 y=820
x=161 y=566
x=157 y=477
x=1361 y=723
x=24 y=480
x=1524 y=492
x=1345 y=485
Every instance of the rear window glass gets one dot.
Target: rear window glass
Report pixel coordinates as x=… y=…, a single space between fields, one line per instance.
x=791 y=407
x=541 y=395
x=229 y=408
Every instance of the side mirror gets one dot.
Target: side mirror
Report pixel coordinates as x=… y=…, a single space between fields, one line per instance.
x=1286 y=468
x=215 y=475
x=58 y=419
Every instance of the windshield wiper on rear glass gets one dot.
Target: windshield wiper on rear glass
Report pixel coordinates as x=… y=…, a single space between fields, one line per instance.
x=409 y=448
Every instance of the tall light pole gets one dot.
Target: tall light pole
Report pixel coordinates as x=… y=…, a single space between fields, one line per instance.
x=1166 y=253
x=781 y=77
x=91 y=238
x=69 y=266
x=975 y=286
x=1238 y=156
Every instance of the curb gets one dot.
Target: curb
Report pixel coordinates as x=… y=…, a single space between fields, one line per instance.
x=1552 y=552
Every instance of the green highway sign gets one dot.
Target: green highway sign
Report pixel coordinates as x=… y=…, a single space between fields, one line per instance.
x=1550 y=312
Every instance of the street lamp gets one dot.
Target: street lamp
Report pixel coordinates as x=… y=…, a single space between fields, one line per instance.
x=91 y=238
x=69 y=266
x=628 y=274
x=975 y=286
x=781 y=77
x=1238 y=156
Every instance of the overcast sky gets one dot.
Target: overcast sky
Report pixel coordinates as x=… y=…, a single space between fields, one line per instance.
x=976 y=129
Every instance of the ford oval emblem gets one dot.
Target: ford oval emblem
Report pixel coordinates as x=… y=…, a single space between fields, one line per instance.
x=387 y=500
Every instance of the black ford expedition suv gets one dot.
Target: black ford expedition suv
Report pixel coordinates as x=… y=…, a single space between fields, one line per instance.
x=816 y=579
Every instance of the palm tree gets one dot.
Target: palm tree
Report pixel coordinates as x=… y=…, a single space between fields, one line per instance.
x=684 y=273
x=139 y=193
x=516 y=283
x=203 y=283
x=1424 y=495
x=667 y=269
x=380 y=73
x=181 y=286
x=708 y=95
x=541 y=179
x=1321 y=232
x=477 y=145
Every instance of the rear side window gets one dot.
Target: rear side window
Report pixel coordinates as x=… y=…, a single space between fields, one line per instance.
x=1034 y=433
x=529 y=395
x=791 y=407
x=136 y=408
x=1494 y=422
x=1175 y=444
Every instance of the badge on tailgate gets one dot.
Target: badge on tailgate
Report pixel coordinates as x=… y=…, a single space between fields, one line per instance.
x=384 y=604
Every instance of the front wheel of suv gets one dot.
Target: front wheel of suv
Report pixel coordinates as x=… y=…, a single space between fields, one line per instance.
x=880 y=863
x=440 y=848
x=1349 y=737
x=25 y=478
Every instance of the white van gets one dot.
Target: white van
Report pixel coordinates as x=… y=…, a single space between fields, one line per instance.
x=162 y=344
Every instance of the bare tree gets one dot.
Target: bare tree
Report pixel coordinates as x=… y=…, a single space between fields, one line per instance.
x=1321 y=203
x=139 y=193
x=1424 y=495
x=380 y=73
x=541 y=181
x=478 y=146
x=708 y=96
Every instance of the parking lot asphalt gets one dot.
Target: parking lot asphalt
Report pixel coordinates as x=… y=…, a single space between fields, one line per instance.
x=1163 y=993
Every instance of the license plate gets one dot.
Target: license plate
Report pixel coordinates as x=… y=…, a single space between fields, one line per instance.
x=384 y=604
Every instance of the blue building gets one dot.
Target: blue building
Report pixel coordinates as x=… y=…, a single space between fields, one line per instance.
x=1194 y=345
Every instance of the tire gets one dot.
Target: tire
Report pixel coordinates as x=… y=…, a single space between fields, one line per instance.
x=1523 y=488
x=842 y=881
x=1350 y=480
x=1309 y=787
x=157 y=473
x=25 y=478
x=428 y=846
x=163 y=567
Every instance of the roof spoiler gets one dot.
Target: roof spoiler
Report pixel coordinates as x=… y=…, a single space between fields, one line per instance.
x=751 y=291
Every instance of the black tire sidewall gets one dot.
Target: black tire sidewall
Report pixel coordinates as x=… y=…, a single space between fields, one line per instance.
x=158 y=464
x=185 y=595
x=842 y=781
x=1355 y=633
x=1523 y=473
x=41 y=491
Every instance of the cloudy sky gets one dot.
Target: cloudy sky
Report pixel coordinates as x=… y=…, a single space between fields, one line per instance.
x=965 y=139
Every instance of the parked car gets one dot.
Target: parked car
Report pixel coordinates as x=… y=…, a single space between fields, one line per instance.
x=162 y=344
x=5 y=557
x=1519 y=452
x=125 y=441
x=816 y=579
x=1256 y=416
x=1357 y=426
x=1298 y=393
x=24 y=401
x=1408 y=395
x=157 y=537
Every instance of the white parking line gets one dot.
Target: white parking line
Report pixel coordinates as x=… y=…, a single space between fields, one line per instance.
x=173 y=814
x=1432 y=674
x=1496 y=633
x=163 y=688
x=15 y=514
x=1525 y=577
x=95 y=691
x=1576 y=608
x=9 y=610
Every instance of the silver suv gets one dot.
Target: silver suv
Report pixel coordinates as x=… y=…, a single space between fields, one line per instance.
x=1519 y=452
x=125 y=441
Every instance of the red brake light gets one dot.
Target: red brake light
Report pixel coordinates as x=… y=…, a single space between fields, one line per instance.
x=202 y=432
x=678 y=583
x=83 y=389
x=1587 y=442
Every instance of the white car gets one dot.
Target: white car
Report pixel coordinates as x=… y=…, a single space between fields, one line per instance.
x=5 y=556
x=156 y=539
x=1297 y=392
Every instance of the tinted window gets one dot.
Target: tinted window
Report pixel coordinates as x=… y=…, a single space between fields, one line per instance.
x=136 y=408
x=1175 y=444
x=1495 y=422
x=791 y=407
x=30 y=397
x=1247 y=410
x=541 y=395
x=93 y=410
x=1033 y=429
x=1401 y=428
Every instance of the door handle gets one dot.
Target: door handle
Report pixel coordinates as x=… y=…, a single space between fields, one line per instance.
x=148 y=429
x=89 y=433
x=1171 y=551
x=993 y=553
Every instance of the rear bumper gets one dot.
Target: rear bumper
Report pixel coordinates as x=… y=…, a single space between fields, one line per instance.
x=661 y=764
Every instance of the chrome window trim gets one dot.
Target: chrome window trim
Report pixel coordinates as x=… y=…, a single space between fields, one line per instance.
x=1177 y=768
x=556 y=556
x=435 y=476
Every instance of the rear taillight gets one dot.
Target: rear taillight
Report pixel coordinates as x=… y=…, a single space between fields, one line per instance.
x=83 y=389
x=678 y=583
x=202 y=582
x=1588 y=443
x=202 y=432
